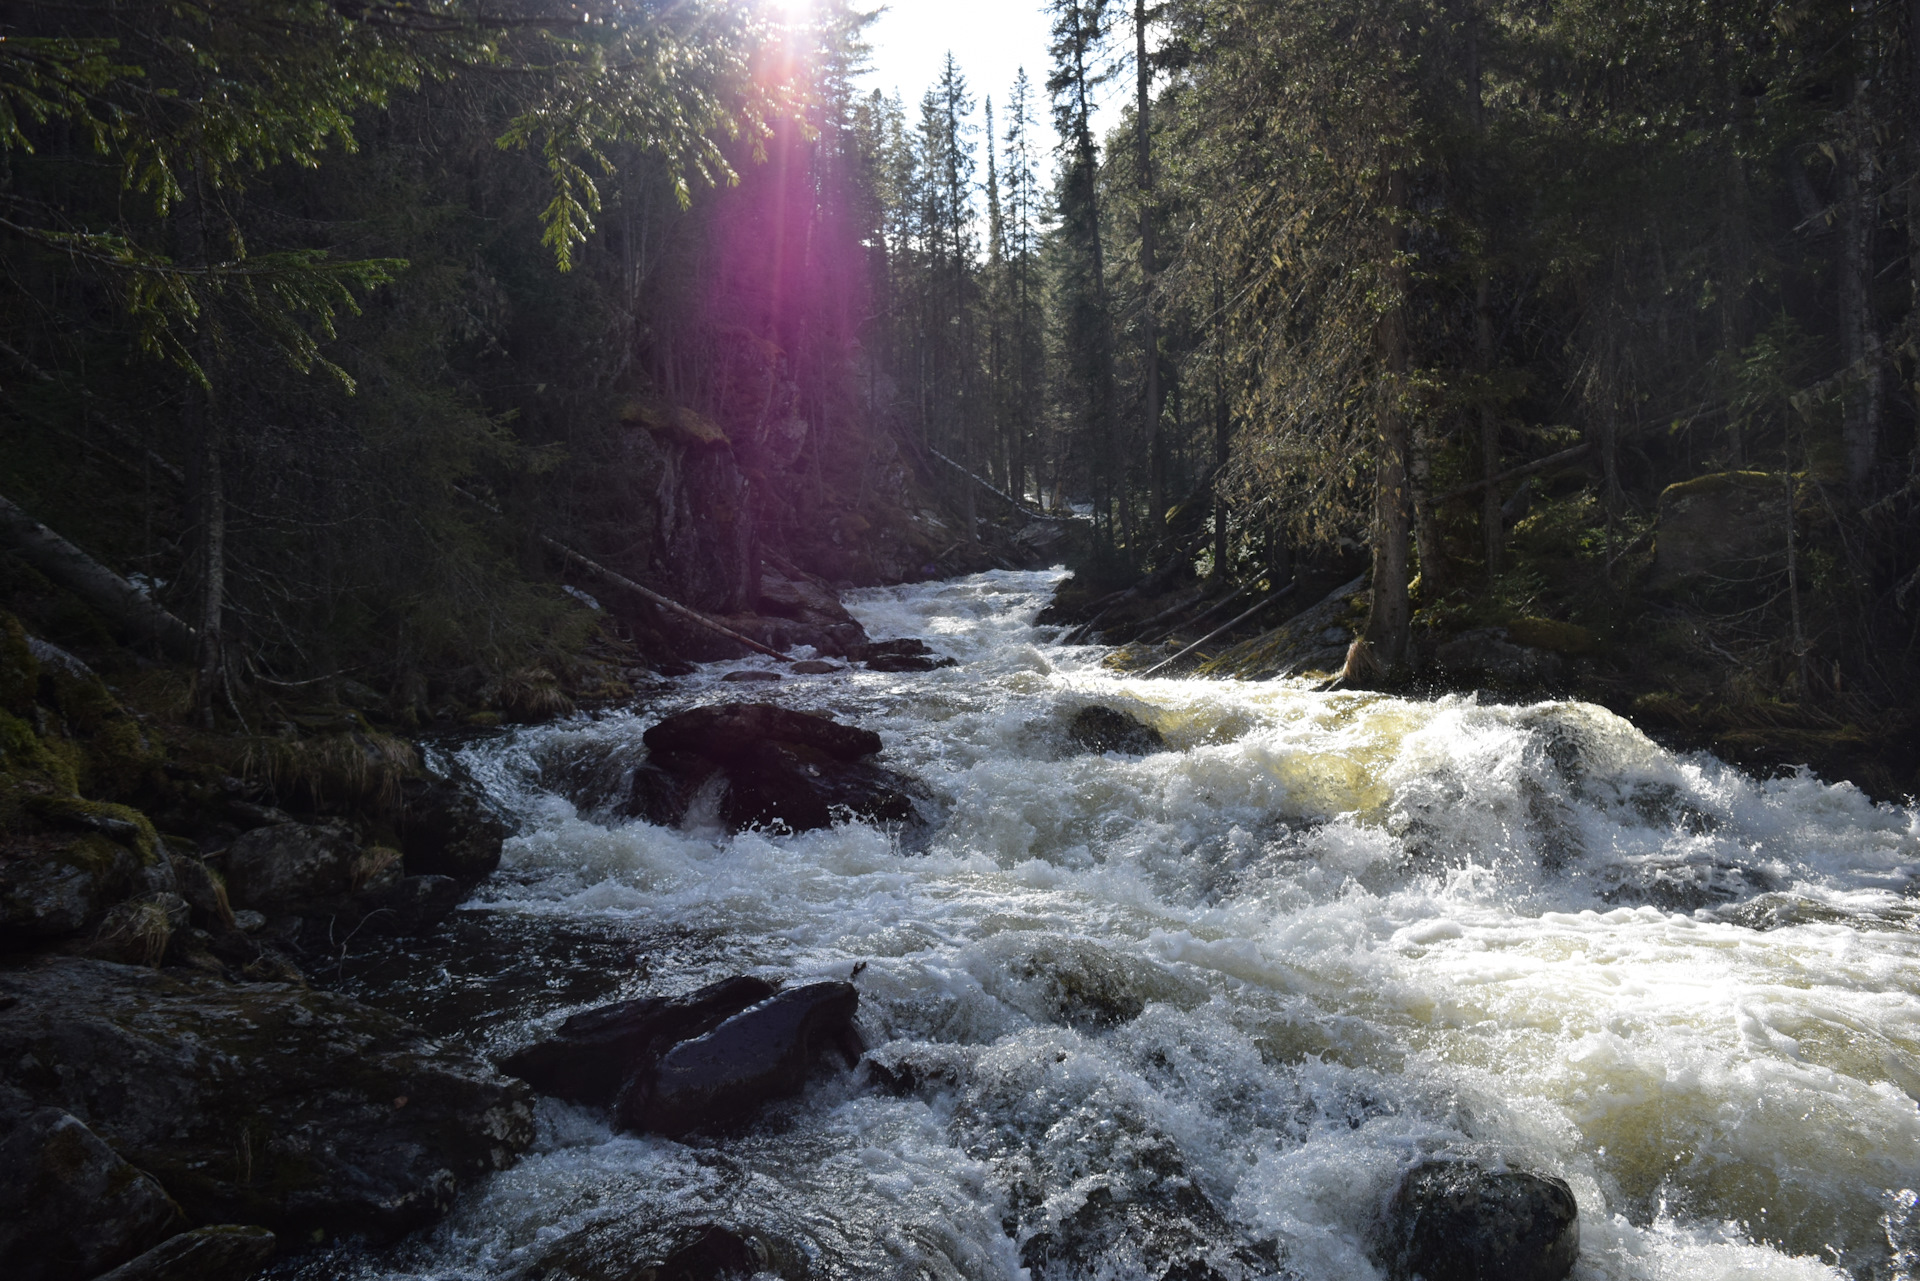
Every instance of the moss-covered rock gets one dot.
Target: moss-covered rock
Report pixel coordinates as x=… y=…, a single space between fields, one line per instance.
x=19 y=670
x=1554 y=637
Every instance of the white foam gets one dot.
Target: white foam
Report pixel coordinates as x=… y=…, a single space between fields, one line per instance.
x=1346 y=929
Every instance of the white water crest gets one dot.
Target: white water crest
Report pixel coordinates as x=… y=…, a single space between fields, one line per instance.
x=1321 y=935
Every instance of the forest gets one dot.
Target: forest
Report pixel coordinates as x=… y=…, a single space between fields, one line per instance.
x=1285 y=647
x=320 y=317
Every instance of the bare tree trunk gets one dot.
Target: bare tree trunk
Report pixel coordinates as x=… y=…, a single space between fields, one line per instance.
x=1493 y=532
x=1390 y=616
x=1435 y=573
x=1221 y=428
x=1150 y=333
x=206 y=428
x=1860 y=337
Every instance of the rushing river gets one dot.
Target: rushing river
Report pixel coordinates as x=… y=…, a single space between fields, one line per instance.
x=1238 y=985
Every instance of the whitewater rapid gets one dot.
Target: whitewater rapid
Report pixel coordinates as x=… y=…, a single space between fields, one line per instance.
x=1319 y=936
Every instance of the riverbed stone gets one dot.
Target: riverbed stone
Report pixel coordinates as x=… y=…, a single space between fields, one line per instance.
x=1103 y=729
x=222 y=1252
x=69 y=1205
x=1467 y=1220
x=905 y=654
x=260 y=1103
x=591 y=1055
x=448 y=829
x=765 y=1052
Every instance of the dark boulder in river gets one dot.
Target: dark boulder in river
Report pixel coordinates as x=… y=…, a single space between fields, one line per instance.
x=1102 y=729
x=765 y=1052
x=907 y=654
x=711 y=1056
x=594 y=1052
x=767 y=766
x=724 y=731
x=447 y=829
x=1460 y=1220
x=263 y=1103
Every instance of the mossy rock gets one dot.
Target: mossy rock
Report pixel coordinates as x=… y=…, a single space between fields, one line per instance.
x=29 y=765
x=1547 y=634
x=54 y=885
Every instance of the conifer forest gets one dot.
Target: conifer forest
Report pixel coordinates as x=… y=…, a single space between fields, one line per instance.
x=404 y=404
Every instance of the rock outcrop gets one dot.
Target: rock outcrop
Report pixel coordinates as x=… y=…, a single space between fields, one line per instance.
x=261 y=1103
x=447 y=829
x=1464 y=1220
x=223 y=1252
x=318 y=873
x=766 y=766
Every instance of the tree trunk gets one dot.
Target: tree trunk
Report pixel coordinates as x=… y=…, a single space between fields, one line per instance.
x=1221 y=427
x=1860 y=337
x=129 y=612
x=1390 y=614
x=1435 y=573
x=1493 y=532
x=1150 y=334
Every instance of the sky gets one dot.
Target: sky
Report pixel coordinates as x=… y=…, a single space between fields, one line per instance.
x=991 y=40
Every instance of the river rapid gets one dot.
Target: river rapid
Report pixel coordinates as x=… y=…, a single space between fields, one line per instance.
x=1269 y=968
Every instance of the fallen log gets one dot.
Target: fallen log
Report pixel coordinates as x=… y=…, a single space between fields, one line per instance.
x=644 y=593
x=1224 y=627
x=127 y=610
x=1515 y=473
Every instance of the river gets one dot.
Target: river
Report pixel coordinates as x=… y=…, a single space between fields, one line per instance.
x=1322 y=935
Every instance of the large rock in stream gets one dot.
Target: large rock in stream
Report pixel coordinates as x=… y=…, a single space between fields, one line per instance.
x=767 y=766
x=1465 y=1220
x=713 y=1056
x=263 y=1103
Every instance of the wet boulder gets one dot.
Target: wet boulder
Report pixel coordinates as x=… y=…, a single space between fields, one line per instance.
x=798 y=787
x=722 y=731
x=448 y=829
x=260 y=1103
x=593 y=1053
x=907 y=654
x=1102 y=729
x=69 y=1205
x=765 y=1052
x=766 y=766
x=223 y=1252
x=1464 y=1220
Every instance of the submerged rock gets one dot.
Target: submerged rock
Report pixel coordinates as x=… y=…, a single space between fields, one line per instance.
x=765 y=1052
x=907 y=654
x=261 y=1103
x=1102 y=729
x=1460 y=1220
x=69 y=1205
x=223 y=1252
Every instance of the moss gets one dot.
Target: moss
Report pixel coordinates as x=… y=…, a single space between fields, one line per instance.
x=28 y=763
x=484 y=720
x=1545 y=633
x=120 y=823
